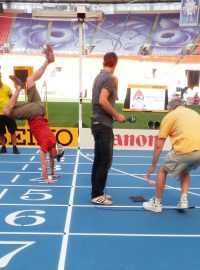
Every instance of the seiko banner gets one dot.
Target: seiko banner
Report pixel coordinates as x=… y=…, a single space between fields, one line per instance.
x=66 y=136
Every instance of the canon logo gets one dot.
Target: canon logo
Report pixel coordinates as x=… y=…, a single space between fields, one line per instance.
x=135 y=140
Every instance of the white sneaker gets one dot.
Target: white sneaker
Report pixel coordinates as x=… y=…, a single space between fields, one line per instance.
x=183 y=204
x=102 y=200
x=109 y=197
x=152 y=206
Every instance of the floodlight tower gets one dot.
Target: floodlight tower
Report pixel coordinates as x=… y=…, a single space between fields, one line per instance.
x=82 y=15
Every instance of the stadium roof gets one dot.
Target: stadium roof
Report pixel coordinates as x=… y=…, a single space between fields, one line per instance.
x=90 y=1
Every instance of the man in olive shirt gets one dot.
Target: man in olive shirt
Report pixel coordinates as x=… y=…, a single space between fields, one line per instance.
x=34 y=111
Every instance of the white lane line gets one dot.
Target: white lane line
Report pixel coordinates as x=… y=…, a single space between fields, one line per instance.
x=42 y=186
x=137 y=235
x=33 y=204
x=88 y=173
x=110 y=207
x=31 y=172
x=63 y=252
x=32 y=233
x=106 y=234
x=103 y=208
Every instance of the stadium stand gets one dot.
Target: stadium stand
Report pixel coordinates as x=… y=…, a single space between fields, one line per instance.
x=5 y=25
x=127 y=34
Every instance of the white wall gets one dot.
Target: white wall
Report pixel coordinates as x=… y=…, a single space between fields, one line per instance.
x=136 y=139
x=62 y=77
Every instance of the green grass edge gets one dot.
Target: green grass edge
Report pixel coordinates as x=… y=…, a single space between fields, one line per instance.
x=66 y=114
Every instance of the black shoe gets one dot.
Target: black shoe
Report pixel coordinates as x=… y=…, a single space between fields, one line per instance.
x=15 y=150
x=3 y=150
x=150 y=124
x=157 y=125
x=17 y=81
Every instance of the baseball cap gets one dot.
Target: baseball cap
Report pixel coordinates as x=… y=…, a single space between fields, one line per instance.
x=60 y=151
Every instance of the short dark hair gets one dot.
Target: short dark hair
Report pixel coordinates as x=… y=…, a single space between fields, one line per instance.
x=110 y=59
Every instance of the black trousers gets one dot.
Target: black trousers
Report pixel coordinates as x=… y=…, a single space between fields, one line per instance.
x=103 y=154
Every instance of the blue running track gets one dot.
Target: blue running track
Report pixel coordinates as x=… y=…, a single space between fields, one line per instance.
x=55 y=227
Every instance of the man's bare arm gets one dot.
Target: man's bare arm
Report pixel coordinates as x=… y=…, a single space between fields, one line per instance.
x=156 y=154
x=44 y=168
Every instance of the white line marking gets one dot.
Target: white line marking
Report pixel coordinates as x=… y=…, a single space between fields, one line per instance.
x=33 y=204
x=137 y=235
x=32 y=233
x=105 y=234
x=37 y=178
x=110 y=207
x=32 y=172
x=82 y=173
x=43 y=186
x=3 y=193
x=15 y=178
x=25 y=166
x=101 y=207
x=63 y=252
x=32 y=158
